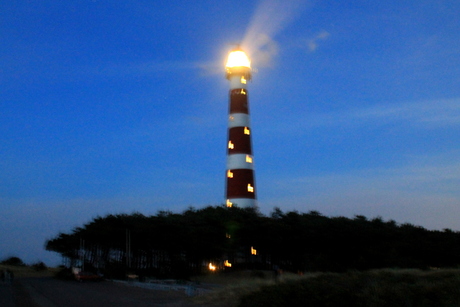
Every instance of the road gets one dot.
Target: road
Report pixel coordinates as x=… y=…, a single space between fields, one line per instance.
x=49 y=292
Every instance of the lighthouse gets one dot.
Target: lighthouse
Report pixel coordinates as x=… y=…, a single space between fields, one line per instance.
x=240 y=183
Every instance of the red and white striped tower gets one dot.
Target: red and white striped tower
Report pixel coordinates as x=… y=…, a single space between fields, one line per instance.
x=240 y=187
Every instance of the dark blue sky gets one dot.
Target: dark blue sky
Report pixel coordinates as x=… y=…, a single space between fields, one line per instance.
x=121 y=106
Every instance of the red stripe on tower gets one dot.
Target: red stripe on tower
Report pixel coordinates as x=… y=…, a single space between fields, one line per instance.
x=240 y=185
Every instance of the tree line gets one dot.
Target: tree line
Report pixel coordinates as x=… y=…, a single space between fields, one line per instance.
x=183 y=244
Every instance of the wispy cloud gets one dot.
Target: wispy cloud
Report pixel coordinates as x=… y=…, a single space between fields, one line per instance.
x=424 y=192
x=143 y=68
x=430 y=114
x=153 y=67
x=269 y=19
x=313 y=43
x=421 y=188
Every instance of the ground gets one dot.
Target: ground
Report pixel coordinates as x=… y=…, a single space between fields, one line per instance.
x=40 y=289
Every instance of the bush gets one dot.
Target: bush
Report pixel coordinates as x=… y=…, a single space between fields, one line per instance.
x=15 y=261
x=39 y=266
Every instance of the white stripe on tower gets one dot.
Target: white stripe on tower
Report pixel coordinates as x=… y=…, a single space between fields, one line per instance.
x=240 y=184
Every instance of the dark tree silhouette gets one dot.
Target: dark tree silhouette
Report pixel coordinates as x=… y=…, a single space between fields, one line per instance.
x=182 y=244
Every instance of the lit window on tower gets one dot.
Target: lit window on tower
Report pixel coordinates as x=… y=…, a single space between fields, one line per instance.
x=250 y=188
x=248 y=159
x=231 y=145
x=243 y=92
x=229 y=203
x=253 y=251
x=247 y=131
x=229 y=174
x=243 y=80
x=227 y=264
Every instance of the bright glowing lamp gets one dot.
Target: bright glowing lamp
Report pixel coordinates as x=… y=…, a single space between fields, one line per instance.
x=238 y=67
x=237 y=58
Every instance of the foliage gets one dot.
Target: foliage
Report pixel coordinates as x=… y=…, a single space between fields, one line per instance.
x=15 y=261
x=39 y=266
x=173 y=245
x=372 y=288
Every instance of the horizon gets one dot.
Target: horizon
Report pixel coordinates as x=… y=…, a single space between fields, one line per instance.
x=54 y=259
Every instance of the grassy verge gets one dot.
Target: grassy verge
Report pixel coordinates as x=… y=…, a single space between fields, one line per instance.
x=232 y=286
x=373 y=288
x=27 y=271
